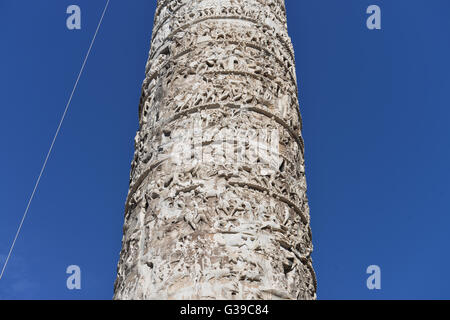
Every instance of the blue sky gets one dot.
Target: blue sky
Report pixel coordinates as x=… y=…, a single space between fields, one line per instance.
x=375 y=107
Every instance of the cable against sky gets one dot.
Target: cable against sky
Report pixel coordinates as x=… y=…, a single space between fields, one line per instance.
x=53 y=142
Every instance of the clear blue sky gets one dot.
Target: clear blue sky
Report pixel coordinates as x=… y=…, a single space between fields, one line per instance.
x=375 y=106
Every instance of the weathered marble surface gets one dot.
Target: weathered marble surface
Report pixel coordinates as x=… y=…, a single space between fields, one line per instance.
x=218 y=224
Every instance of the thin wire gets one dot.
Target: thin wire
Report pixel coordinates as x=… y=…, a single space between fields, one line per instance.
x=53 y=142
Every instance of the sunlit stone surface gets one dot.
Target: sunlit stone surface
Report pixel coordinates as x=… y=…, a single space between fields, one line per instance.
x=217 y=207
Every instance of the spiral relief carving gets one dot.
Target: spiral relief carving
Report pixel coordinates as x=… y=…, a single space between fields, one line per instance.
x=217 y=206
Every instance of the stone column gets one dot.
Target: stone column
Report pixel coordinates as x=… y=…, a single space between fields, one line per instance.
x=217 y=206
